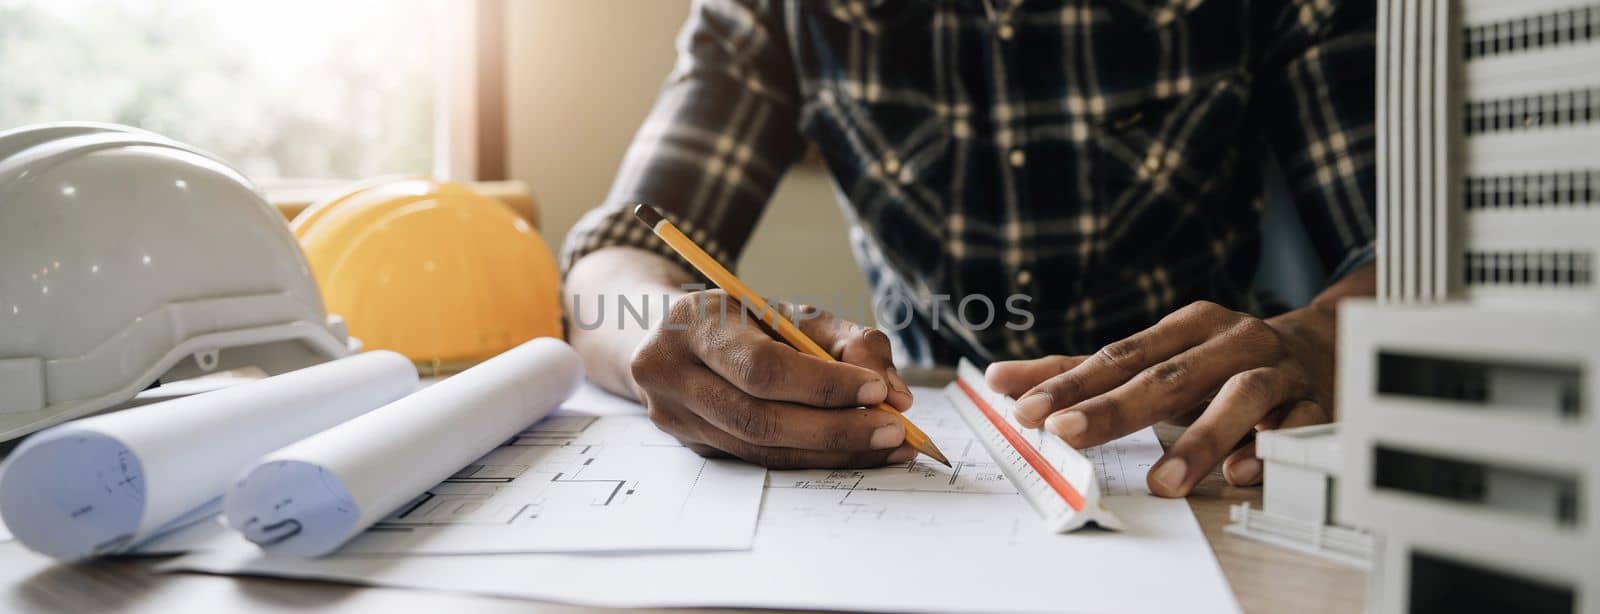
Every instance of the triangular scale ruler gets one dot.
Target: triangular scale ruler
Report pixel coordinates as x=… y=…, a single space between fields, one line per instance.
x=1058 y=481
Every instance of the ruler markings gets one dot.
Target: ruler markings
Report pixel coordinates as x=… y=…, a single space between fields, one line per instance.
x=1020 y=454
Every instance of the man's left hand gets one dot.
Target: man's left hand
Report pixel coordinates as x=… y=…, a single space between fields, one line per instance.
x=1225 y=373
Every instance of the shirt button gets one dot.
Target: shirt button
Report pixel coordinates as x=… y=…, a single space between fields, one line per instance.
x=1006 y=31
x=1017 y=158
x=1024 y=277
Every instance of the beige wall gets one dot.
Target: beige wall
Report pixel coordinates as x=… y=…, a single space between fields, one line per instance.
x=582 y=76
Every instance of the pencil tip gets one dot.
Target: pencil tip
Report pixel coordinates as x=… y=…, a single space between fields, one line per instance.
x=647 y=214
x=934 y=453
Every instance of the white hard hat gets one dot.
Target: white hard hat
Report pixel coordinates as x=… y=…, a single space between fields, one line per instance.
x=121 y=254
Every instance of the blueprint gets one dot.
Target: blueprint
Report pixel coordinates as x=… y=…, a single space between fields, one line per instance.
x=107 y=483
x=911 y=537
x=970 y=499
x=578 y=483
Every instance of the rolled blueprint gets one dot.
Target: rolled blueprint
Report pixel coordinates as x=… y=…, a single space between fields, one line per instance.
x=313 y=496
x=105 y=484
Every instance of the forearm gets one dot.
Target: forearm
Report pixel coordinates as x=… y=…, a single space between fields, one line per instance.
x=598 y=330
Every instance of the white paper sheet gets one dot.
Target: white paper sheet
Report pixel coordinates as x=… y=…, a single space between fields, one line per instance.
x=311 y=497
x=912 y=537
x=208 y=532
x=105 y=484
x=577 y=483
x=595 y=401
x=197 y=535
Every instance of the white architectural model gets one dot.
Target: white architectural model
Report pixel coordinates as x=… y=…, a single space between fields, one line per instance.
x=1301 y=467
x=1467 y=392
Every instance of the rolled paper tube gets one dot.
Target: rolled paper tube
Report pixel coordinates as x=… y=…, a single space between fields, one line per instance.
x=105 y=484
x=311 y=497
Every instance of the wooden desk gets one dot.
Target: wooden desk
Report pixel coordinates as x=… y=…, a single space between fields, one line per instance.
x=1265 y=579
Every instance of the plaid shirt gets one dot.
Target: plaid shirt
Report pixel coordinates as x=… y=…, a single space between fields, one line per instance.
x=1102 y=157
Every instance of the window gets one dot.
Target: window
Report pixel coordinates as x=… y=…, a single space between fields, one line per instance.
x=1531 y=493
x=282 y=89
x=1533 y=111
x=1465 y=382
x=1439 y=584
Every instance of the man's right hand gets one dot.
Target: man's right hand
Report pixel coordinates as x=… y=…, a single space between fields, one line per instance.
x=711 y=376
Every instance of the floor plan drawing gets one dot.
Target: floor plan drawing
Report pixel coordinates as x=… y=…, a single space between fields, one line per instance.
x=578 y=482
x=1122 y=464
x=970 y=498
x=962 y=536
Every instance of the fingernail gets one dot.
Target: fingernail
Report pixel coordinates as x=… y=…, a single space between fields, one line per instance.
x=1033 y=406
x=1245 y=471
x=1170 y=476
x=888 y=437
x=872 y=392
x=899 y=394
x=897 y=383
x=1068 y=425
x=902 y=455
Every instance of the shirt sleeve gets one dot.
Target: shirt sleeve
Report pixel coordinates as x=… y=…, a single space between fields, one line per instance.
x=721 y=134
x=1317 y=98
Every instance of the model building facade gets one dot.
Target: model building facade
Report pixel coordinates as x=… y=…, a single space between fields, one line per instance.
x=1302 y=467
x=1468 y=390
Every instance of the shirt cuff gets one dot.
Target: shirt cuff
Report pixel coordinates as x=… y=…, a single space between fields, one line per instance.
x=616 y=226
x=1357 y=258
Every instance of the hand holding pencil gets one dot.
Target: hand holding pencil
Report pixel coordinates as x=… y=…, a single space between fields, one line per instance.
x=717 y=380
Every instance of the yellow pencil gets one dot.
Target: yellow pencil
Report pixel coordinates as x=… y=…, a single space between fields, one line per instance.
x=753 y=302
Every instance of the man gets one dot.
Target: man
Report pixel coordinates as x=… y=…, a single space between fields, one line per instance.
x=1100 y=157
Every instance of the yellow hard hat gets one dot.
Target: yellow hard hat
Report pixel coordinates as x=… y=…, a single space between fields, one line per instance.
x=433 y=270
